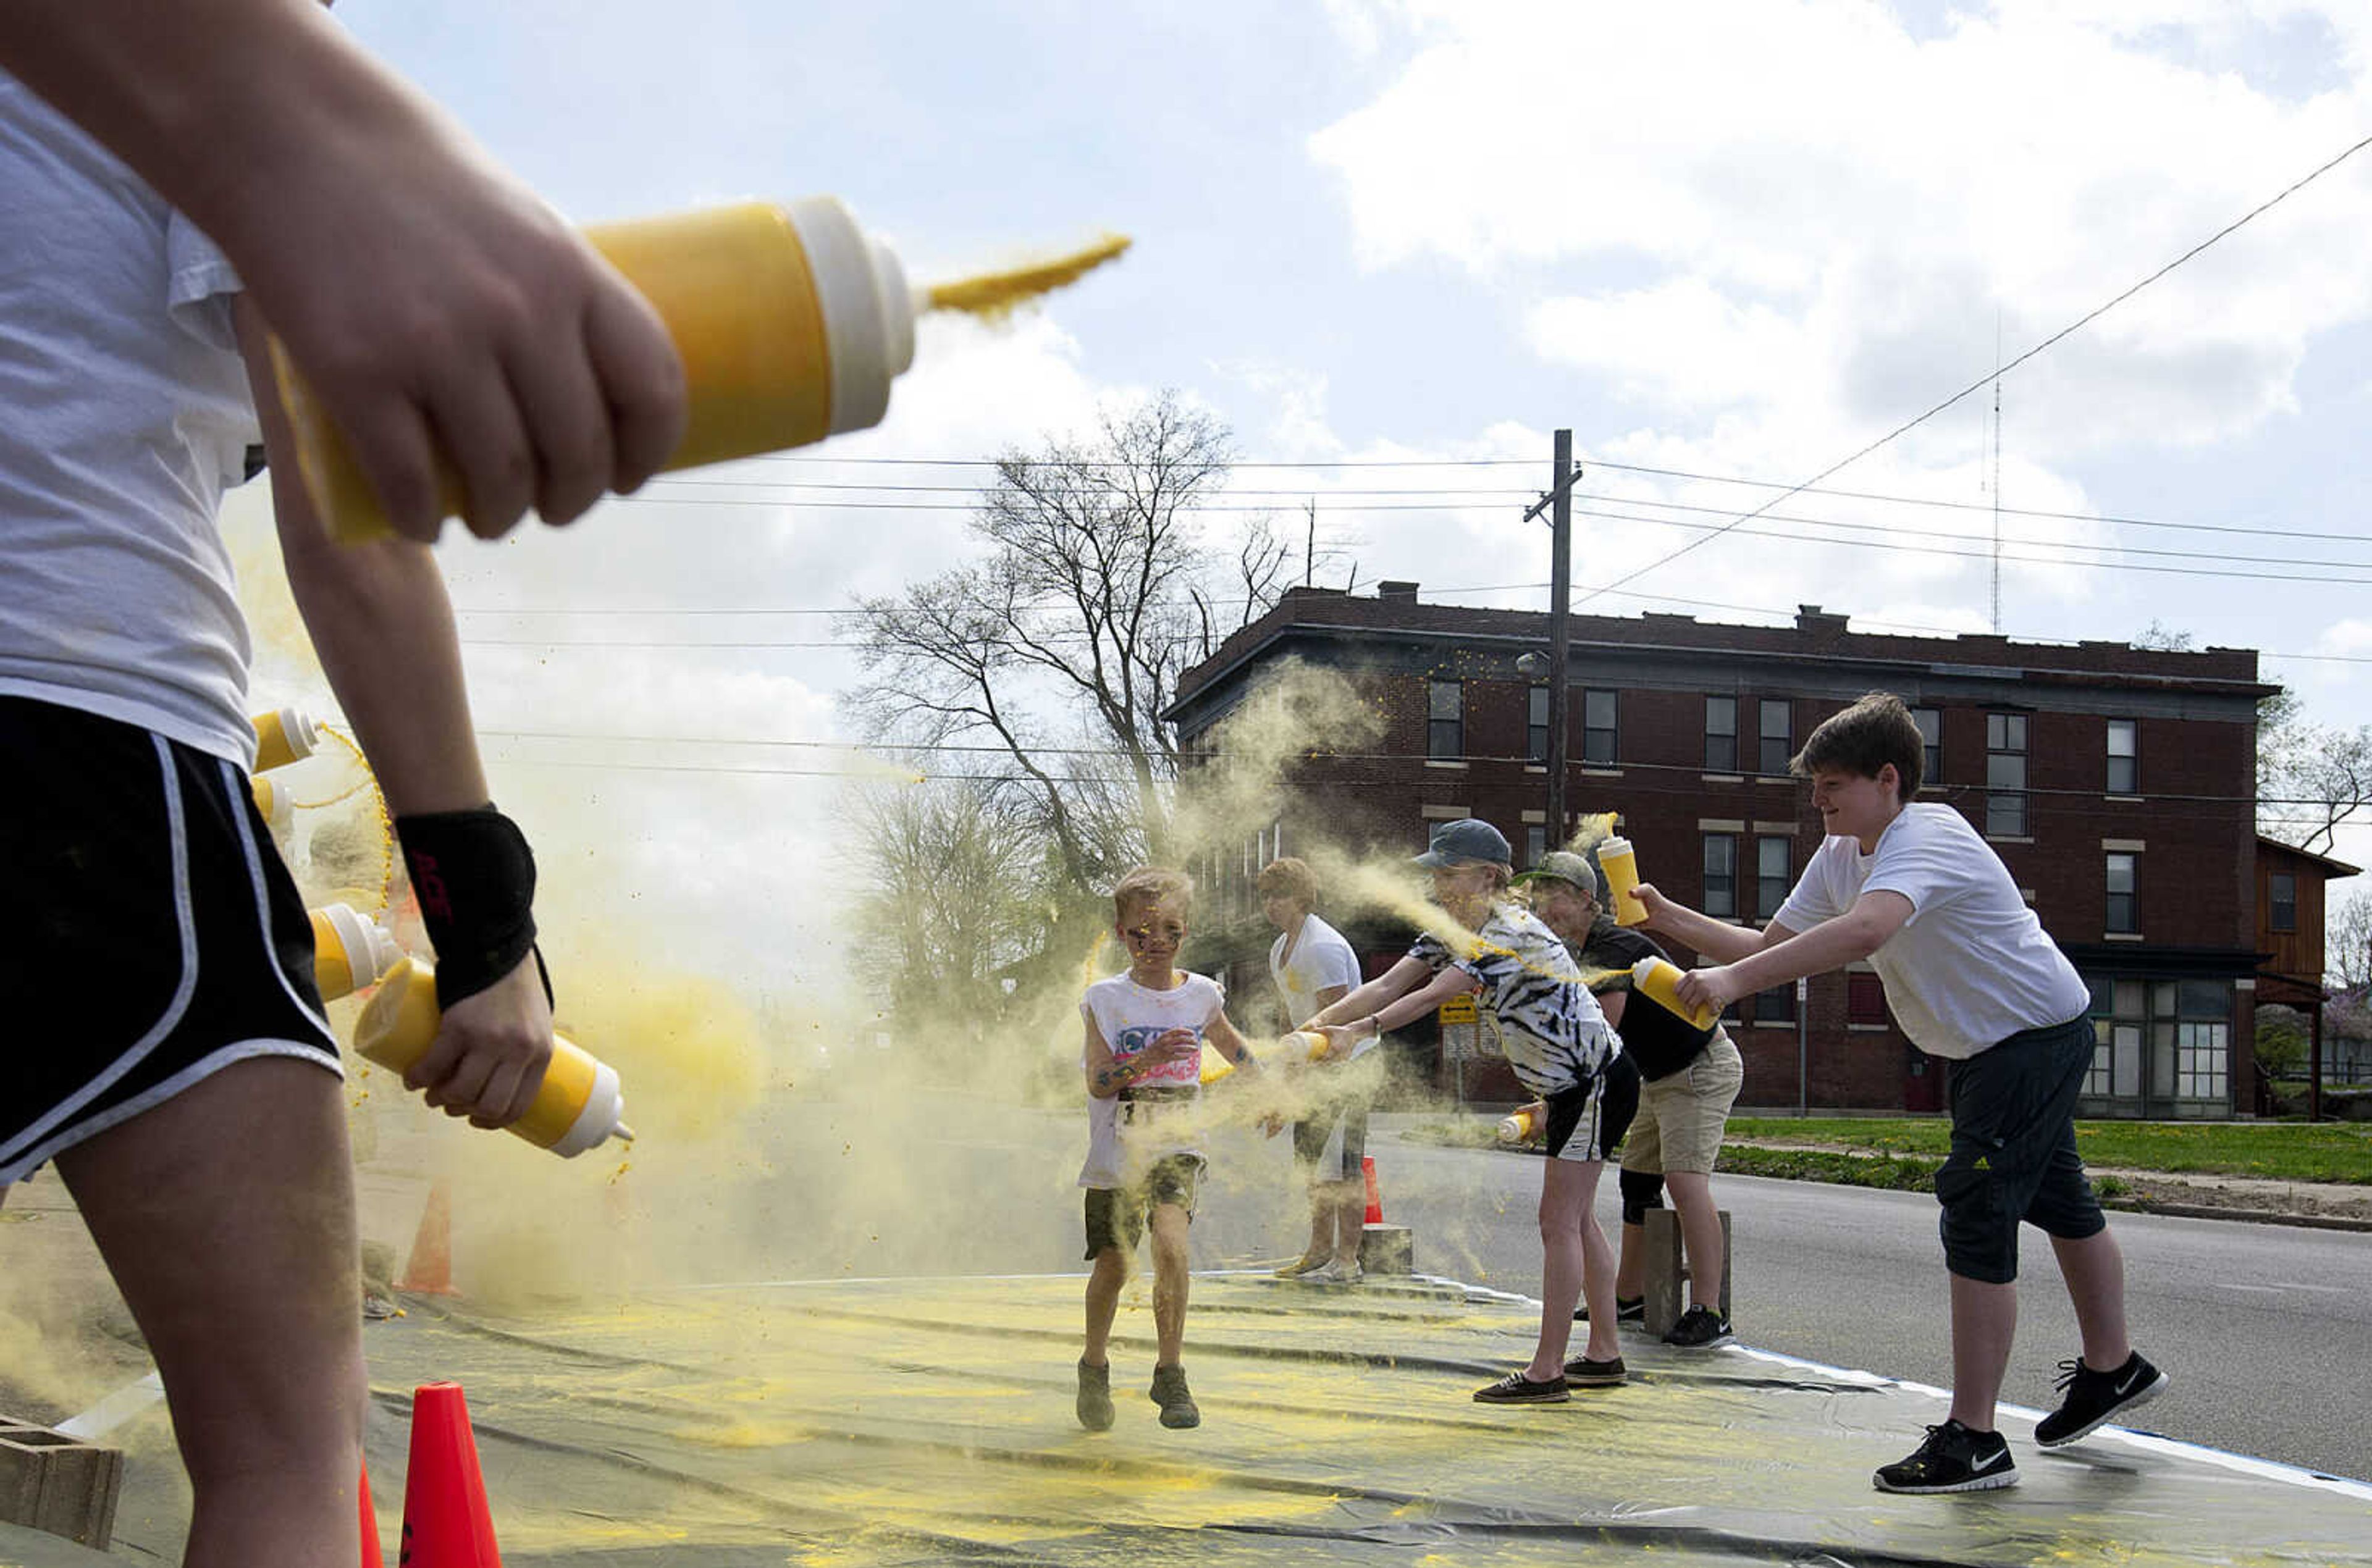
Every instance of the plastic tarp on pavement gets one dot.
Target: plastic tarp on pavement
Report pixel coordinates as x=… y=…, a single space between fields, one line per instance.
x=834 y=1424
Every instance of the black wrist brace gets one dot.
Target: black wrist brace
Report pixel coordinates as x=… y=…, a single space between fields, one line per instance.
x=475 y=879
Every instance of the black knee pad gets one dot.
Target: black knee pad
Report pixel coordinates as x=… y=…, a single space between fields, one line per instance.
x=1642 y=1190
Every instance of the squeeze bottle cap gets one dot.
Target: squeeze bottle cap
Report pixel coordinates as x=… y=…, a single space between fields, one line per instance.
x=278 y=806
x=868 y=310
x=1613 y=844
x=282 y=736
x=364 y=950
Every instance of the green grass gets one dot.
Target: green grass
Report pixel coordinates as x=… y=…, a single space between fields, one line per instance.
x=2282 y=1151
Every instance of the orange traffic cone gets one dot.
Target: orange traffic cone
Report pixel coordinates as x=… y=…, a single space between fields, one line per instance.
x=445 y=1524
x=371 y=1559
x=429 y=1270
x=1375 y=1200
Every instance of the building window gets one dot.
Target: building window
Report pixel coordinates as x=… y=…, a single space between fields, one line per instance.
x=1772 y=875
x=2124 y=906
x=1721 y=735
x=2201 y=1040
x=2124 y=759
x=1536 y=844
x=2283 y=886
x=1598 y=728
x=2006 y=775
x=1865 y=998
x=1445 y=734
x=1536 y=725
x=1776 y=729
x=1776 y=1005
x=1720 y=874
x=1931 y=731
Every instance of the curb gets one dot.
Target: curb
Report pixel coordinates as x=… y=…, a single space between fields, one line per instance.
x=2251 y=1217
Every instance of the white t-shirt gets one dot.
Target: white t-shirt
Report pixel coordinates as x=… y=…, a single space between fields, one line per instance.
x=1973 y=965
x=125 y=414
x=1320 y=960
x=1132 y=1017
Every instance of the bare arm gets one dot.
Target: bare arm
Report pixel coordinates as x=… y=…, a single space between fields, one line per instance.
x=430 y=299
x=1107 y=1076
x=383 y=627
x=1851 y=937
x=1394 y=981
x=1715 y=938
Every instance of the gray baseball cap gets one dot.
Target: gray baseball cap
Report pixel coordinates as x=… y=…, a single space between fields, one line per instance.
x=1564 y=866
x=1467 y=842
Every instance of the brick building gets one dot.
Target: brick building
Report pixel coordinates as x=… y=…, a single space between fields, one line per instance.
x=2116 y=782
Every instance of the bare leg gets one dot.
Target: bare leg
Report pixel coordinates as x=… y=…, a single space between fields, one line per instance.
x=1321 y=1225
x=1631 y=1273
x=227 y=1216
x=1104 y=1282
x=1692 y=1193
x=2095 y=1271
x=1575 y=1258
x=1169 y=1283
x=1984 y=1320
x=1350 y=1213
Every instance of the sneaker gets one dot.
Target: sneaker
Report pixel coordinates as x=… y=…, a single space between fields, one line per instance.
x=1952 y=1459
x=1583 y=1373
x=1700 y=1327
x=1516 y=1388
x=1169 y=1392
x=1094 y=1406
x=1336 y=1272
x=1627 y=1309
x=1308 y=1264
x=2094 y=1397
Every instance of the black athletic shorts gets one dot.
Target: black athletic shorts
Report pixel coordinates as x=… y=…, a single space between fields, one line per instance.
x=149 y=932
x=2013 y=1155
x=1587 y=1121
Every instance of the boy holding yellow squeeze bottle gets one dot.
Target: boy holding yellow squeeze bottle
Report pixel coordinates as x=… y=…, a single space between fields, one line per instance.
x=1972 y=977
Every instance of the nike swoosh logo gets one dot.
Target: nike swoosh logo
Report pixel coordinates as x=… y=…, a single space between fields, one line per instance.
x=2128 y=1382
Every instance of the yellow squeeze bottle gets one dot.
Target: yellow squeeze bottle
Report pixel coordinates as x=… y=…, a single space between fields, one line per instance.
x=1212 y=1066
x=1660 y=981
x=349 y=952
x=282 y=736
x=277 y=806
x=1515 y=1129
x=579 y=1106
x=791 y=322
x=1620 y=863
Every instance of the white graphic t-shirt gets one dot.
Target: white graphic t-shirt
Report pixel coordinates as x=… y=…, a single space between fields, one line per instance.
x=1131 y=1019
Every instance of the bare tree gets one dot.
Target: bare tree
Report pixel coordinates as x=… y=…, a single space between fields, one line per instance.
x=946 y=905
x=1061 y=645
x=2347 y=949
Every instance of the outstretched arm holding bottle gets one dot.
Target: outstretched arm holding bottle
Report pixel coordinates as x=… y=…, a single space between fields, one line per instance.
x=431 y=301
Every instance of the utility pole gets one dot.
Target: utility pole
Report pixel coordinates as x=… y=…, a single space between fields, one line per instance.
x=1558 y=503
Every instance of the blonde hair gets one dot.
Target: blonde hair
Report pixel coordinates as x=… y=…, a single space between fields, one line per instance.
x=1151 y=885
x=1289 y=877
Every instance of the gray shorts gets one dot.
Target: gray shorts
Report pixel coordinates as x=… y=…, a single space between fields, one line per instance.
x=2014 y=1151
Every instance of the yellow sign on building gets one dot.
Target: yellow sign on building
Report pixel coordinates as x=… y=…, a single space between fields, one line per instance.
x=1458 y=1010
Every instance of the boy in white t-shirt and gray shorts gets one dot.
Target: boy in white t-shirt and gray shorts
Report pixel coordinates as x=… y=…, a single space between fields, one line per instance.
x=1972 y=977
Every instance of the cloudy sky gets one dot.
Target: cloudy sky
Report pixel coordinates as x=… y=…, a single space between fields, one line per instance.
x=1740 y=239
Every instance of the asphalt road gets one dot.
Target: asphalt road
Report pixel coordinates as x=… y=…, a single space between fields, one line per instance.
x=2266 y=1329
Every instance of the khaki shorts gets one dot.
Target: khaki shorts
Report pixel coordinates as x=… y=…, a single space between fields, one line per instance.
x=1681 y=1116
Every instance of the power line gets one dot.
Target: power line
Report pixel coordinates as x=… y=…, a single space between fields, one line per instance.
x=2075 y=326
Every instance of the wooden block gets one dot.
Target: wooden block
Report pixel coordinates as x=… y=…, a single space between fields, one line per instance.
x=49 y=1481
x=1667 y=1273
x=1387 y=1250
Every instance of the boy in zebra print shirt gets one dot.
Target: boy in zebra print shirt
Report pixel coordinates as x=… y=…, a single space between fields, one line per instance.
x=1559 y=1046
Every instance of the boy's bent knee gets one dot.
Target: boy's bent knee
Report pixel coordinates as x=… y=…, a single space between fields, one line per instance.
x=1642 y=1190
